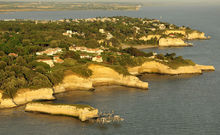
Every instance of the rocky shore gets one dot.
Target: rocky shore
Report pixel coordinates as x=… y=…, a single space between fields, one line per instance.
x=172 y=41
x=83 y=112
x=159 y=68
x=101 y=76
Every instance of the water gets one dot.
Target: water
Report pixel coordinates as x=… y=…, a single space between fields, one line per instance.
x=173 y=105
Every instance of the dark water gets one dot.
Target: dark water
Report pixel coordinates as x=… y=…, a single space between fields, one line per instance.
x=173 y=105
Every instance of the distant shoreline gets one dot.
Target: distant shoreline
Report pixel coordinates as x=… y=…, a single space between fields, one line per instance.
x=54 y=6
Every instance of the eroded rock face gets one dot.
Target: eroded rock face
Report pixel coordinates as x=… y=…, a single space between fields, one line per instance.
x=83 y=112
x=183 y=32
x=196 y=35
x=149 y=37
x=165 y=42
x=6 y=102
x=189 y=36
x=24 y=96
x=156 y=67
x=205 y=68
x=73 y=82
x=107 y=76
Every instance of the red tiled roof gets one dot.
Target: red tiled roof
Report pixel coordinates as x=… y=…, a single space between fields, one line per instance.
x=13 y=54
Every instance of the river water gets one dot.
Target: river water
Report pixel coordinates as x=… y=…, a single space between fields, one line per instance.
x=173 y=105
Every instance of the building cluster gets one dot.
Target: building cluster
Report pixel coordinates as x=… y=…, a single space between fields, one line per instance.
x=50 y=51
x=108 y=34
x=105 y=19
x=87 y=51
x=70 y=33
x=51 y=62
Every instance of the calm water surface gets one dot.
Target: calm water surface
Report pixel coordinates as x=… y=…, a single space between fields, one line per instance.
x=173 y=105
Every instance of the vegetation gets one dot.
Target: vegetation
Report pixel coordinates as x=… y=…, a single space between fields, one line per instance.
x=20 y=40
x=174 y=62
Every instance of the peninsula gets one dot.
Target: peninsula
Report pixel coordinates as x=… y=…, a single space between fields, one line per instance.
x=40 y=58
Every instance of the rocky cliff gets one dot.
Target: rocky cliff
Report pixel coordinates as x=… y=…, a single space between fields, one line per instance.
x=165 y=42
x=167 y=32
x=157 y=67
x=73 y=82
x=149 y=37
x=192 y=35
x=101 y=76
x=106 y=76
x=83 y=112
x=24 y=96
x=196 y=35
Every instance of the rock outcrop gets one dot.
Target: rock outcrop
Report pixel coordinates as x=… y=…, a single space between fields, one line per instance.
x=73 y=82
x=196 y=35
x=6 y=102
x=24 y=96
x=83 y=112
x=157 y=67
x=166 y=42
x=106 y=76
x=101 y=76
x=193 y=35
x=167 y=32
x=149 y=37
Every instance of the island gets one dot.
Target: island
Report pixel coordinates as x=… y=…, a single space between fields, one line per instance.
x=40 y=58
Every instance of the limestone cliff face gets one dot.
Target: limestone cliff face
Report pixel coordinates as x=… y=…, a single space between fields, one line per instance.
x=107 y=76
x=149 y=37
x=165 y=42
x=156 y=67
x=205 y=68
x=6 y=103
x=73 y=82
x=24 y=96
x=196 y=35
x=183 y=32
x=189 y=36
x=82 y=112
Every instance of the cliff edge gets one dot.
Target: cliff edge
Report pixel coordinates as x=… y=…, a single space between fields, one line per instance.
x=159 y=68
x=83 y=112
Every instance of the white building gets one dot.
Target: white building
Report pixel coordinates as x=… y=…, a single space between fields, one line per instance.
x=85 y=49
x=162 y=27
x=50 y=51
x=102 y=31
x=109 y=36
x=97 y=59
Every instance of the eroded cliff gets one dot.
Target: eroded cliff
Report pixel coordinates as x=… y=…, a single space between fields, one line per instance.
x=157 y=67
x=106 y=76
x=24 y=96
x=166 y=42
x=83 y=112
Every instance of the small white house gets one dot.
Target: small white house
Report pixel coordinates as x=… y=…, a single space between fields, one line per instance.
x=97 y=59
x=102 y=31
